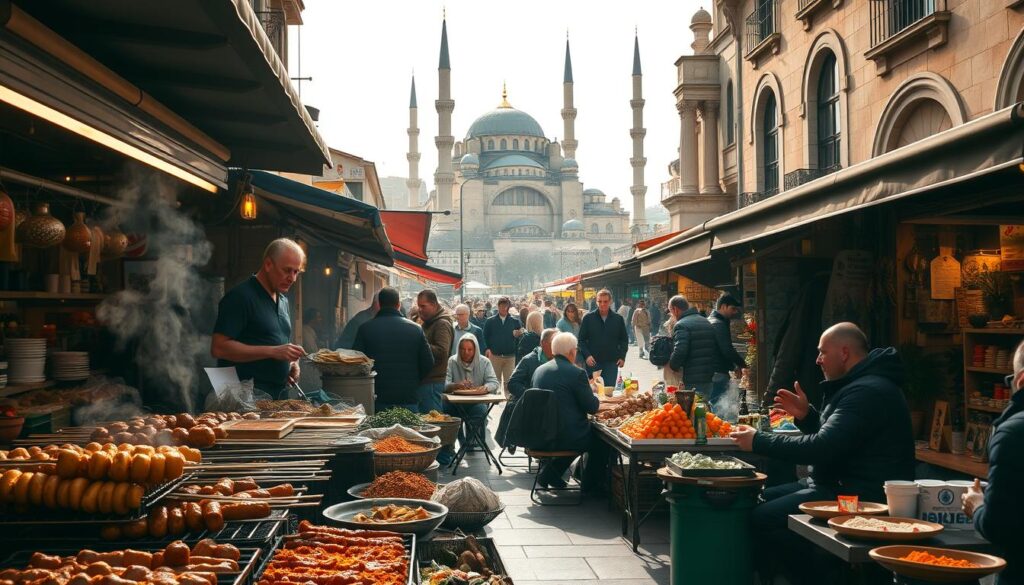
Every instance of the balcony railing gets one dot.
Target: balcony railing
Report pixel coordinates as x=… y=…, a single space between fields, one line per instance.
x=761 y=25
x=801 y=176
x=750 y=198
x=890 y=17
x=670 y=188
x=803 y=4
x=275 y=25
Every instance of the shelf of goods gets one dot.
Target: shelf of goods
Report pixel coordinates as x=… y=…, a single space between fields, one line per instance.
x=961 y=463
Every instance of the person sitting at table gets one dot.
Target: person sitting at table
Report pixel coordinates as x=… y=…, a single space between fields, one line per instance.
x=575 y=400
x=521 y=381
x=997 y=513
x=467 y=369
x=858 y=440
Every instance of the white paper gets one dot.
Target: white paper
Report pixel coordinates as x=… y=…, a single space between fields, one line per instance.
x=221 y=378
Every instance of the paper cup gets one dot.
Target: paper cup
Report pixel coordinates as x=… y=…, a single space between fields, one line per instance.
x=901 y=497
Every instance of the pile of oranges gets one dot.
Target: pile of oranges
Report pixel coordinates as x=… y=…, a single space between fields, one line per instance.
x=671 y=422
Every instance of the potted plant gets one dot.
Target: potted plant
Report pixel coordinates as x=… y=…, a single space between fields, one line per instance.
x=996 y=292
x=923 y=381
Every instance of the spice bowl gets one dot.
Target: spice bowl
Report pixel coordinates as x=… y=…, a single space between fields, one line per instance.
x=891 y=557
x=357 y=491
x=471 y=521
x=343 y=515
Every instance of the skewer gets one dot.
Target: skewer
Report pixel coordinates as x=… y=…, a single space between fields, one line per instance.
x=270 y=500
x=260 y=465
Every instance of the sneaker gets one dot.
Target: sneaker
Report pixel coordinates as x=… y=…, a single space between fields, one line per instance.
x=558 y=483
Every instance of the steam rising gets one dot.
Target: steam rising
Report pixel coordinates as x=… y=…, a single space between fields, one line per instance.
x=157 y=321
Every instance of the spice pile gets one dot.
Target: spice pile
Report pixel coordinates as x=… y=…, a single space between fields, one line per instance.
x=396 y=445
x=394 y=416
x=323 y=555
x=435 y=416
x=927 y=558
x=400 y=484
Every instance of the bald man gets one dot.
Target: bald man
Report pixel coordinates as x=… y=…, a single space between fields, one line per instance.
x=253 y=332
x=860 y=438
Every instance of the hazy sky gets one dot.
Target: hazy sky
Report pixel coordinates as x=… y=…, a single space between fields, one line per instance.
x=361 y=56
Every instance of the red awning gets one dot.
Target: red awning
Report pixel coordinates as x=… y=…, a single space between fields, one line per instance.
x=408 y=231
x=641 y=246
x=426 y=273
x=566 y=280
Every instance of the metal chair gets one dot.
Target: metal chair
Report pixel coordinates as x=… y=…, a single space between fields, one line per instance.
x=572 y=487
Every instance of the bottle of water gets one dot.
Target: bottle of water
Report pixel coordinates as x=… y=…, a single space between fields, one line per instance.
x=618 y=386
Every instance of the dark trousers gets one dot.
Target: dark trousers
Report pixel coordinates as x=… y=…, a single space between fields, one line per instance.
x=774 y=543
x=609 y=372
x=595 y=466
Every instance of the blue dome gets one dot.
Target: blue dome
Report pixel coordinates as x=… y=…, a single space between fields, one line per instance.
x=572 y=224
x=593 y=191
x=514 y=160
x=570 y=163
x=505 y=121
x=470 y=159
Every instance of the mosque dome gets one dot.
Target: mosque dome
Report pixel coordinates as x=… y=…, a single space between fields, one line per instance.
x=701 y=17
x=570 y=163
x=505 y=121
x=572 y=225
x=469 y=160
x=594 y=192
x=514 y=160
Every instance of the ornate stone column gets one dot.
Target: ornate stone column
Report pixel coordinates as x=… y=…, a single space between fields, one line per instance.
x=709 y=130
x=687 y=147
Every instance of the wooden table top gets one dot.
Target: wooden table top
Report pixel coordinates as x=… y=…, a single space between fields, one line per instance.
x=481 y=399
x=668 y=476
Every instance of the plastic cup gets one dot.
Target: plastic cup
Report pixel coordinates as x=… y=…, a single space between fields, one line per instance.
x=901 y=497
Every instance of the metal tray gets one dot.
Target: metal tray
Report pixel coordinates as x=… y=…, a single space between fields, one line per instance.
x=408 y=541
x=430 y=551
x=249 y=558
x=712 y=441
x=747 y=470
x=44 y=516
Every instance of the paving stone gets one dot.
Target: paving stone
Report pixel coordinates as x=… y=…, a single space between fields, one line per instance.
x=628 y=568
x=595 y=551
x=550 y=569
x=523 y=536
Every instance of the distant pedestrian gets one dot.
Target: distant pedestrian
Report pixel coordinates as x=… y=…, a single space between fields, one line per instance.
x=570 y=321
x=524 y=312
x=488 y=310
x=550 y=314
x=641 y=322
x=312 y=319
x=656 y=317
x=729 y=359
x=501 y=336
x=625 y=311
x=479 y=318
x=437 y=326
x=348 y=334
x=399 y=350
x=670 y=376
x=603 y=339
x=464 y=326
x=531 y=339
x=694 y=352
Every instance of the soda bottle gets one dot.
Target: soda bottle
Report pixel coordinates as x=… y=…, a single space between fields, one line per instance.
x=766 y=417
x=618 y=386
x=700 y=423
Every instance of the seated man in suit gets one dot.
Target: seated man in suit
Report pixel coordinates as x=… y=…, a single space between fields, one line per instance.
x=575 y=400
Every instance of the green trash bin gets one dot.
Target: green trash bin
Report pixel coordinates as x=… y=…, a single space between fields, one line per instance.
x=710 y=529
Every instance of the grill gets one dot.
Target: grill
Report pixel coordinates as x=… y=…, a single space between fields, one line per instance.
x=408 y=541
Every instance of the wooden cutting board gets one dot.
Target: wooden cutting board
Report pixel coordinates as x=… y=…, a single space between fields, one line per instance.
x=329 y=422
x=258 y=429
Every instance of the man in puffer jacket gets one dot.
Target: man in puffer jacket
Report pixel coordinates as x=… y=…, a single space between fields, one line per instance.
x=439 y=328
x=859 y=439
x=694 y=351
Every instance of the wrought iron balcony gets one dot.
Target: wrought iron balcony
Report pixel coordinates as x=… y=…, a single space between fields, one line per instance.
x=891 y=17
x=752 y=197
x=762 y=29
x=801 y=176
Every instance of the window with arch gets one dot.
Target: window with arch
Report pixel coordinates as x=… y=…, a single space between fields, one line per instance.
x=594 y=229
x=730 y=114
x=770 y=145
x=504 y=144
x=829 y=131
x=490 y=145
x=609 y=228
x=515 y=144
x=520 y=196
x=526 y=144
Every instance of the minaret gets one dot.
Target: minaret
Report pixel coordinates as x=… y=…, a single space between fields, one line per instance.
x=413 y=156
x=444 y=178
x=637 y=133
x=569 y=142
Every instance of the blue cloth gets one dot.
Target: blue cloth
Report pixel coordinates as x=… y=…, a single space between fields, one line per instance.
x=428 y=397
x=498 y=336
x=566 y=326
x=248 y=314
x=400 y=354
x=574 y=398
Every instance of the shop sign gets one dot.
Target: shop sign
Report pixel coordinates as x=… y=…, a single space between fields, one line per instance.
x=1011 y=243
x=945 y=271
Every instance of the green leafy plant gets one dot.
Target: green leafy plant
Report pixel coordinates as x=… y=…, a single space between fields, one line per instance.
x=996 y=291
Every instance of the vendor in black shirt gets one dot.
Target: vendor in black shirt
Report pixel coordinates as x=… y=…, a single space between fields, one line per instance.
x=254 y=328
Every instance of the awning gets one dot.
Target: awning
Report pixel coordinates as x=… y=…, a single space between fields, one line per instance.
x=687 y=248
x=561 y=287
x=424 y=273
x=352 y=226
x=969 y=151
x=408 y=232
x=651 y=242
x=615 y=273
x=208 y=61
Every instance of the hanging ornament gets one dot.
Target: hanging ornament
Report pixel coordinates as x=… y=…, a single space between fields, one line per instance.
x=115 y=242
x=42 y=230
x=79 y=238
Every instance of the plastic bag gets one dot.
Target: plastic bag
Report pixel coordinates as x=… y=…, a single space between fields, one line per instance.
x=399 y=431
x=233 y=398
x=467 y=495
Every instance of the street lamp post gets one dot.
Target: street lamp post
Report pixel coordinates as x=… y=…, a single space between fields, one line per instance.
x=462 y=254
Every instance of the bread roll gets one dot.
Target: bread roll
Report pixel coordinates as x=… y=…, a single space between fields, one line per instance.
x=76 y=492
x=106 y=497
x=213 y=517
x=99 y=465
x=135 y=495
x=174 y=465
x=68 y=462
x=7 y=483
x=21 y=488
x=201 y=436
x=157 y=462
x=119 y=499
x=120 y=466
x=140 y=468
x=91 y=498
x=175 y=521
x=50 y=491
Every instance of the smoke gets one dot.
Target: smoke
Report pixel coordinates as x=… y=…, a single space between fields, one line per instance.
x=728 y=405
x=157 y=320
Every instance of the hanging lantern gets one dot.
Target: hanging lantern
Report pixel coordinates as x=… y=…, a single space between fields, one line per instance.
x=327 y=270
x=248 y=208
x=79 y=236
x=41 y=230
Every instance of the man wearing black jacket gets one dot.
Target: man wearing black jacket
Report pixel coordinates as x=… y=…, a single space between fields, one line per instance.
x=501 y=338
x=858 y=440
x=997 y=513
x=728 y=308
x=603 y=339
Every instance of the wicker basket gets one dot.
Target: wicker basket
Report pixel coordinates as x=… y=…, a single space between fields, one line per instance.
x=449 y=430
x=416 y=462
x=471 y=521
x=428 y=430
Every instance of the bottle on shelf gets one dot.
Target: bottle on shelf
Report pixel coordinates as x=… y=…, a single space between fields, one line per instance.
x=618 y=386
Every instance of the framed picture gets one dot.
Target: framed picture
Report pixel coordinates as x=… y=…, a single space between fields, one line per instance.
x=938 y=421
x=138 y=274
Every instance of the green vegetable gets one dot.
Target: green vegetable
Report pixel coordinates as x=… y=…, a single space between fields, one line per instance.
x=394 y=416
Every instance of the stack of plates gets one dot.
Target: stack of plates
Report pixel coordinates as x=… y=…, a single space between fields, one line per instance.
x=70 y=365
x=26 y=360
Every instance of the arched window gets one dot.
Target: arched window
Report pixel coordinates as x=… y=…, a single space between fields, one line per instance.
x=515 y=144
x=730 y=115
x=490 y=144
x=520 y=196
x=770 y=142
x=594 y=229
x=504 y=144
x=526 y=144
x=828 y=114
x=609 y=228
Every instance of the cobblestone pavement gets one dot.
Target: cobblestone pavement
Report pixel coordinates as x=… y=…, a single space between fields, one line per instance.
x=572 y=544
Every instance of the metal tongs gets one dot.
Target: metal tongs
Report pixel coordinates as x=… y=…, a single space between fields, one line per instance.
x=302 y=394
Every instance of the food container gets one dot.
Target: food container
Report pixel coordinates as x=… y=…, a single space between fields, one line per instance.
x=940 y=502
x=901 y=497
x=745 y=469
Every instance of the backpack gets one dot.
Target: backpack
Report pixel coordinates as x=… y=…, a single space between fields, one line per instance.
x=661 y=350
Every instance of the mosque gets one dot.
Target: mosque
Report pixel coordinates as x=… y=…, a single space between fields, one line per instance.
x=521 y=195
